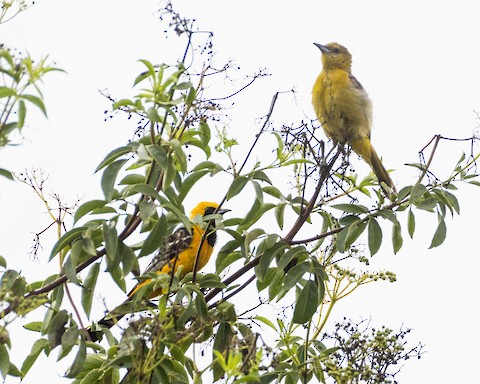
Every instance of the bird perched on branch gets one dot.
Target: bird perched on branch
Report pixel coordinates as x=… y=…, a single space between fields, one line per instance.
x=185 y=249
x=344 y=108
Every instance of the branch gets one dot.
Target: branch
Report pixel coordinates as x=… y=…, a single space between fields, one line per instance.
x=325 y=169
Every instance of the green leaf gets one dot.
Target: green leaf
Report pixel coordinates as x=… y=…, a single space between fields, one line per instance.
x=297 y=253
x=221 y=344
x=109 y=176
x=123 y=103
x=440 y=233
x=280 y=214
x=258 y=191
x=152 y=115
x=147 y=210
x=273 y=191
x=351 y=208
x=150 y=67
x=294 y=275
x=211 y=280
x=79 y=362
x=113 y=155
x=475 y=182
x=418 y=191
x=404 y=192
x=205 y=133
x=89 y=286
x=4 y=361
x=449 y=199
x=354 y=232
x=236 y=186
x=7 y=92
x=340 y=240
x=159 y=155
x=34 y=326
x=37 y=348
x=180 y=157
x=111 y=239
x=307 y=303
x=14 y=371
x=427 y=204
x=6 y=173
x=201 y=306
x=397 y=239
x=133 y=179
x=69 y=269
x=349 y=220
x=3 y=262
x=69 y=339
x=21 y=113
x=169 y=175
x=267 y=257
x=260 y=175
x=256 y=212
x=266 y=321
x=141 y=77
x=155 y=238
x=117 y=276
x=184 y=85
x=87 y=207
x=35 y=100
x=389 y=215
x=129 y=260
x=66 y=240
x=56 y=328
x=224 y=260
x=374 y=236
x=146 y=190
x=411 y=223
x=192 y=93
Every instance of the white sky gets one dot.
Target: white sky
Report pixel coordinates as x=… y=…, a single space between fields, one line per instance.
x=418 y=61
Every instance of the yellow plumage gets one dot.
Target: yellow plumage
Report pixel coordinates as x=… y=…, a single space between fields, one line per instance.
x=344 y=108
x=179 y=253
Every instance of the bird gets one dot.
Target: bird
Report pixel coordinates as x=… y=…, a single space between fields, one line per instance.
x=179 y=253
x=344 y=109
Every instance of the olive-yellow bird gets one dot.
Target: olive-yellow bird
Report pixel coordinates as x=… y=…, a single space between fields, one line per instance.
x=344 y=108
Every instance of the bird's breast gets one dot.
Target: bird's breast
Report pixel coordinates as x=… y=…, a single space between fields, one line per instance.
x=343 y=108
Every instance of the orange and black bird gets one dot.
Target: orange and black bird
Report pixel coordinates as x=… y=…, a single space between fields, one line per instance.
x=344 y=109
x=183 y=249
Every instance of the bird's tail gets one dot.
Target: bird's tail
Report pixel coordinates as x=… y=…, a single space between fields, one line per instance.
x=108 y=321
x=365 y=149
x=128 y=307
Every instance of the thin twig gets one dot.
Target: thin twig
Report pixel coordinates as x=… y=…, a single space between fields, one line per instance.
x=233 y=293
x=437 y=139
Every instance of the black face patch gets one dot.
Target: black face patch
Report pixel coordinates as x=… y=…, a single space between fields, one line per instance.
x=209 y=211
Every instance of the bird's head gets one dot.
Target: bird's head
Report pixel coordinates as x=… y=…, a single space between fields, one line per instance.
x=206 y=208
x=335 y=56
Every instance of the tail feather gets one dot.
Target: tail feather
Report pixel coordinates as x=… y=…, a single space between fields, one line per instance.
x=129 y=306
x=365 y=149
x=108 y=322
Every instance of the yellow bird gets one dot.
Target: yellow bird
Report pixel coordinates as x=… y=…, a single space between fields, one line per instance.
x=344 y=108
x=181 y=250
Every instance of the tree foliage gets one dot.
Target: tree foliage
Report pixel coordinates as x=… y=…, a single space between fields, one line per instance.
x=295 y=245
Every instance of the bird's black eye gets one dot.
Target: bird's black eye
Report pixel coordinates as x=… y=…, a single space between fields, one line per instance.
x=336 y=50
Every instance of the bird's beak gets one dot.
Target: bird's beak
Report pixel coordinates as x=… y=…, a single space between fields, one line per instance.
x=221 y=211
x=323 y=48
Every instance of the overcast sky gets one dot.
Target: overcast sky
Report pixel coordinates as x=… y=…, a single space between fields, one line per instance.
x=417 y=60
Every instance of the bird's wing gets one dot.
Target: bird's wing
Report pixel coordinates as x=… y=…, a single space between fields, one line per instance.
x=355 y=83
x=177 y=242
